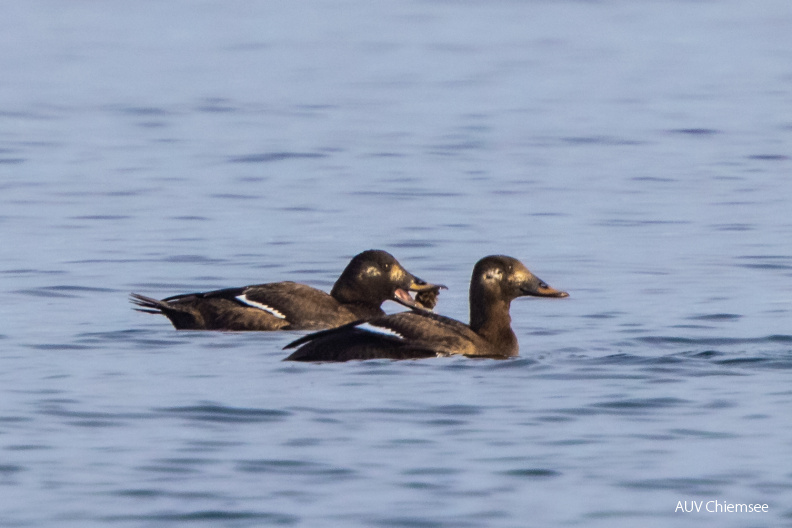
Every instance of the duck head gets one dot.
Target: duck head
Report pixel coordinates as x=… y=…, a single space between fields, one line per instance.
x=496 y=281
x=375 y=276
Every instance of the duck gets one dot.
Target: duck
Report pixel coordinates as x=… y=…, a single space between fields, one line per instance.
x=370 y=278
x=496 y=281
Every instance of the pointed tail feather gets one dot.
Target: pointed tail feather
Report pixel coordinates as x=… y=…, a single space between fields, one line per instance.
x=147 y=304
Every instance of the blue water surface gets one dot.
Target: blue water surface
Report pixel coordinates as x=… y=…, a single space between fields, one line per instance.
x=635 y=154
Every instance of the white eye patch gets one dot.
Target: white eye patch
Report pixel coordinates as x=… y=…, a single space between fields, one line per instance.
x=371 y=271
x=493 y=274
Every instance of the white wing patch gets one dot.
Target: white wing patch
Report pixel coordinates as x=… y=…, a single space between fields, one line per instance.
x=269 y=309
x=382 y=330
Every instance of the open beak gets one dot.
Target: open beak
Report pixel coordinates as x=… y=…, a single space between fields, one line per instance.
x=539 y=288
x=426 y=297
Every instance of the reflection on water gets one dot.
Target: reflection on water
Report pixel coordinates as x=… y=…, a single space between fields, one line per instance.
x=633 y=155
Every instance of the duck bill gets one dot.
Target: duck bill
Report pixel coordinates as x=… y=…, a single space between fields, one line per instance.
x=414 y=284
x=539 y=288
x=418 y=285
x=403 y=297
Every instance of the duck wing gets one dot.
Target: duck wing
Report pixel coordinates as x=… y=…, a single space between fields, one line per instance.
x=303 y=306
x=271 y=306
x=298 y=306
x=407 y=335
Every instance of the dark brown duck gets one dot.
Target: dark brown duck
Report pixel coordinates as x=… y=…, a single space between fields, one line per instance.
x=371 y=278
x=496 y=281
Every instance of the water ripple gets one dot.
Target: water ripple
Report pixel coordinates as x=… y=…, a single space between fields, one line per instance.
x=695 y=131
x=67 y=291
x=639 y=404
x=154 y=493
x=267 y=518
x=766 y=262
x=769 y=157
x=691 y=486
x=269 y=157
x=531 y=473
x=697 y=433
x=716 y=317
x=218 y=413
x=714 y=341
x=88 y=418
x=295 y=467
x=601 y=141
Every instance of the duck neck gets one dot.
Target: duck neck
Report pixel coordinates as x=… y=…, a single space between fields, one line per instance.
x=491 y=320
x=364 y=310
x=353 y=301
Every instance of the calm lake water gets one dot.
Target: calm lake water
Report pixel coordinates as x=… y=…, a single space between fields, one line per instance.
x=635 y=154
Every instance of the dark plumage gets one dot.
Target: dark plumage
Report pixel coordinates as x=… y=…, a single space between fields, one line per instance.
x=496 y=281
x=371 y=278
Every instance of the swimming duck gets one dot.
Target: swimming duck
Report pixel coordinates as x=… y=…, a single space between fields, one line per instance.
x=371 y=278
x=496 y=281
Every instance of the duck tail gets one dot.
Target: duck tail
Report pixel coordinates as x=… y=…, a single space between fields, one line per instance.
x=147 y=304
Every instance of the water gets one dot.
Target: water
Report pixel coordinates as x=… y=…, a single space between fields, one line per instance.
x=634 y=154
